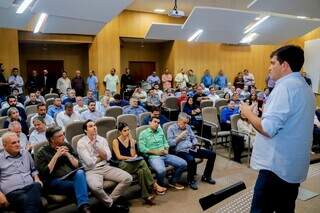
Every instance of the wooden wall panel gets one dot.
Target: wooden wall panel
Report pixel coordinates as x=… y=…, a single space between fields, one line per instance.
x=9 y=52
x=75 y=56
x=231 y=59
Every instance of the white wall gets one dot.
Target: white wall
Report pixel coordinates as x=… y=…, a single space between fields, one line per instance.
x=312 y=62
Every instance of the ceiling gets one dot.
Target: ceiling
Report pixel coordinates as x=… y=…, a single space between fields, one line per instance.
x=221 y=20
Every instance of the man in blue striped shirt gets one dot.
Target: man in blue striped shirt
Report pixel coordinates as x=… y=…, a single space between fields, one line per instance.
x=283 y=142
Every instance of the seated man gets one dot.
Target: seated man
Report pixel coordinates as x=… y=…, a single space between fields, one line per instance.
x=41 y=111
x=80 y=106
x=15 y=127
x=134 y=108
x=38 y=135
x=199 y=96
x=67 y=116
x=94 y=153
x=20 y=185
x=71 y=98
x=91 y=113
x=32 y=100
x=213 y=95
x=118 y=101
x=12 y=102
x=153 y=143
x=89 y=97
x=182 y=138
x=55 y=108
x=60 y=168
x=153 y=99
x=155 y=112
x=226 y=114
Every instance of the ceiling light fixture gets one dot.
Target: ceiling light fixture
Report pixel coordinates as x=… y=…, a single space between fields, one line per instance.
x=250 y=28
x=249 y=38
x=23 y=6
x=159 y=10
x=302 y=17
x=257 y=18
x=40 y=22
x=195 y=35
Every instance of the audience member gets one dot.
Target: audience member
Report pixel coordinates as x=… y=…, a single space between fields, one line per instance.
x=226 y=113
x=42 y=112
x=192 y=78
x=67 y=116
x=80 y=106
x=199 y=96
x=90 y=97
x=126 y=79
x=32 y=100
x=207 y=79
x=4 y=85
x=94 y=153
x=238 y=81
x=194 y=111
x=91 y=113
x=92 y=84
x=166 y=79
x=270 y=83
x=78 y=84
x=14 y=115
x=118 y=101
x=125 y=151
x=153 y=99
x=20 y=184
x=182 y=139
x=54 y=109
x=111 y=81
x=308 y=80
x=221 y=80
x=140 y=94
x=213 y=95
x=183 y=97
x=134 y=108
x=153 y=79
x=155 y=112
x=34 y=82
x=12 y=102
x=153 y=144
x=15 y=127
x=71 y=98
x=181 y=79
x=38 y=135
x=16 y=81
x=248 y=78
x=61 y=170
x=63 y=83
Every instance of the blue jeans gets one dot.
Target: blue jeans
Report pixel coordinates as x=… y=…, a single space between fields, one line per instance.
x=75 y=185
x=271 y=193
x=159 y=165
x=27 y=199
x=192 y=166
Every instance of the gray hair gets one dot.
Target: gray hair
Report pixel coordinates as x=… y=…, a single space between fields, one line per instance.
x=183 y=116
x=13 y=124
x=10 y=110
x=6 y=136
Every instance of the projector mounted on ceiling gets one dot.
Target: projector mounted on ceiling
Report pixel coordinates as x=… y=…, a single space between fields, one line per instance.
x=175 y=12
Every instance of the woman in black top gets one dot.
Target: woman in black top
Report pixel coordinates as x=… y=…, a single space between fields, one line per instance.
x=124 y=150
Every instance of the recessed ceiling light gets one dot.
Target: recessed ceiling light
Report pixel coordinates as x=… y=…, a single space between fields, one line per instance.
x=40 y=22
x=257 y=18
x=23 y=6
x=159 y=10
x=196 y=35
x=302 y=17
x=249 y=38
x=251 y=27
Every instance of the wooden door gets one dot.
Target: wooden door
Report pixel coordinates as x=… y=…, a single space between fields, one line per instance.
x=140 y=70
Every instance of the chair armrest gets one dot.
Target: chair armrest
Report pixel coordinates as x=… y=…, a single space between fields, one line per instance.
x=239 y=132
x=210 y=123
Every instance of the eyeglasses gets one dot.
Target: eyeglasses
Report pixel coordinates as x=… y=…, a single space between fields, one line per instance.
x=126 y=130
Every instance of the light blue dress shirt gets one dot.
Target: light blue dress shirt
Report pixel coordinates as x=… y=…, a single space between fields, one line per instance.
x=288 y=119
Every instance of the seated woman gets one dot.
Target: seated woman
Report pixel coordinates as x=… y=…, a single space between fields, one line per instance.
x=195 y=112
x=13 y=115
x=124 y=150
x=242 y=141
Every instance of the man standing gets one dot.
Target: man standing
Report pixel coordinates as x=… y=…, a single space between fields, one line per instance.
x=181 y=79
x=111 y=81
x=221 y=80
x=78 y=84
x=20 y=185
x=16 y=81
x=4 y=86
x=281 y=153
x=63 y=83
x=92 y=82
x=126 y=79
x=207 y=79
x=34 y=82
x=153 y=79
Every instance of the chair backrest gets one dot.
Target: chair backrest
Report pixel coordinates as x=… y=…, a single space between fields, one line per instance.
x=111 y=135
x=29 y=119
x=139 y=130
x=221 y=102
x=233 y=121
x=114 y=111
x=131 y=120
x=51 y=95
x=2 y=131
x=105 y=124
x=49 y=102
x=210 y=115
x=165 y=127
x=182 y=104
x=31 y=109
x=171 y=103
x=142 y=116
x=37 y=147
x=2 y=120
x=206 y=103
x=75 y=140
x=220 y=93
x=73 y=129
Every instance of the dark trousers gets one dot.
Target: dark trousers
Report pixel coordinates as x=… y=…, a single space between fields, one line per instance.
x=272 y=194
x=192 y=166
x=27 y=199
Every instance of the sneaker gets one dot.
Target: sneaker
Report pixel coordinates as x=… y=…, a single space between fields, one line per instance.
x=208 y=180
x=176 y=186
x=193 y=185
